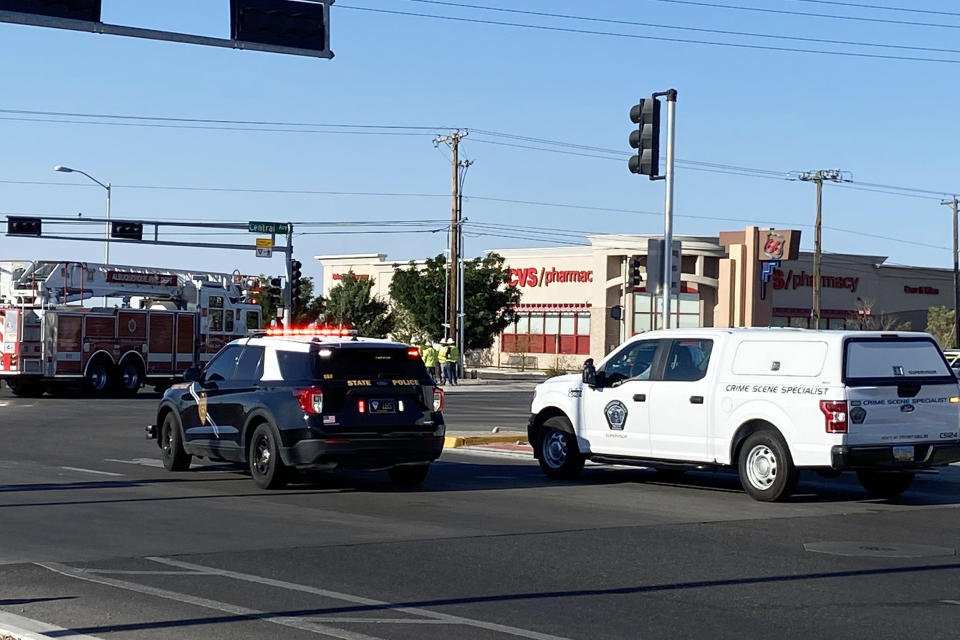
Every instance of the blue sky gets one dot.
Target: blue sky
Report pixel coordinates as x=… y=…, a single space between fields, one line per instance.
x=885 y=121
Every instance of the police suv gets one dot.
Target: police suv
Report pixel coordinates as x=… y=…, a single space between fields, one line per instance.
x=306 y=399
x=767 y=401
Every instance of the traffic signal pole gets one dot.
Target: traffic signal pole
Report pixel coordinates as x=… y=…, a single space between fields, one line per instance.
x=288 y=289
x=956 y=273
x=668 y=207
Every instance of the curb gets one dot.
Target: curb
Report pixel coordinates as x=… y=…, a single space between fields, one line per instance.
x=452 y=442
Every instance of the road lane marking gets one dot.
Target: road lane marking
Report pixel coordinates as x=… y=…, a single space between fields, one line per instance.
x=94 y=471
x=346 y=597
x=30 y=629
x=382 y=621
x=253 y=614
x=143 y=462
x=127 y=572
x=950 y=601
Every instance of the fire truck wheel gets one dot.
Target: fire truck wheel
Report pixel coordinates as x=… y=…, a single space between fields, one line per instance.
x=26 y=389
x=129 y=377
x=97 y=380
x=171 y=446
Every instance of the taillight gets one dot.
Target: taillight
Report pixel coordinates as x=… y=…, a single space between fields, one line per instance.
x=361 y=406
x=413 y=353
x=835 y=415
x=311 y=400
x=438 y=399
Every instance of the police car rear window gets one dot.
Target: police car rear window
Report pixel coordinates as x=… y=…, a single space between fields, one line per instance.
x=894 y=360
x=350 y=363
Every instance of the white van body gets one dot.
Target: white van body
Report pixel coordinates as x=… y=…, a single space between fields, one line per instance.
x=881 y=403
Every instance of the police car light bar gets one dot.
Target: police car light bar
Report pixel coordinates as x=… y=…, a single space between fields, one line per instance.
x=342 y=332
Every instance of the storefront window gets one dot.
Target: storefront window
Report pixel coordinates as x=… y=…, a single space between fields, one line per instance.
x=798 y=322
x=562 y=333
x=684 y=311
x=583 y=324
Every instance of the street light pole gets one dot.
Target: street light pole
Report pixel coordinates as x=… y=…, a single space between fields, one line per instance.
x=109 y=188
x=956 y=273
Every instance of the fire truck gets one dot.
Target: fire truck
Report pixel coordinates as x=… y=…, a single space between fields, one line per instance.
x=161 y=321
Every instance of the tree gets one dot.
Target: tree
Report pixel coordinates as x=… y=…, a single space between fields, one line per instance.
x=940 y=326
x=309 y=308
x=351 y=303
x=489 y=301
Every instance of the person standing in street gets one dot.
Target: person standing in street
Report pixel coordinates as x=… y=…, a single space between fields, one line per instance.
x=444 y=358
x=429 y=354
x=454 y=357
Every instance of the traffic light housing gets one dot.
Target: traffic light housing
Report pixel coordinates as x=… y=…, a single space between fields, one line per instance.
x=20 y=226
x=88 y=10
x=633 y=272
x=284 y=23
x=252 y=290
x=275 y=293
x=126 y=230
x=296 y=286
x=645 y=138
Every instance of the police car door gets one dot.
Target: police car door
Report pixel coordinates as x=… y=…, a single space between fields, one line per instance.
x=680 y=402
x=615 y=411
x=200 y=428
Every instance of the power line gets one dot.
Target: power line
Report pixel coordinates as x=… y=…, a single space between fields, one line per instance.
x=113 y=116
x=859 y=5
x=737 y=45
x=717 y=5
x=749 y=34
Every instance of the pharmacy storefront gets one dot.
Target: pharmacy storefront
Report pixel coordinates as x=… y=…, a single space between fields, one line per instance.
x=574 y=303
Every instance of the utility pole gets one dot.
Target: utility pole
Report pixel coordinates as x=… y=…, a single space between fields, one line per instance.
x=453 y=287
x=956 y=274
x=817 y=177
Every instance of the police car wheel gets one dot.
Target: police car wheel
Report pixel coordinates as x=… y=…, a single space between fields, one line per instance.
x=766 y=469
x=171 y=446
x=266 y=467
x=559 y=455
x=885 y=484
x=409 y=475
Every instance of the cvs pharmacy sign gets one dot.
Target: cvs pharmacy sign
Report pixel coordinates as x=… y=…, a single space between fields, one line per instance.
x=544 y=277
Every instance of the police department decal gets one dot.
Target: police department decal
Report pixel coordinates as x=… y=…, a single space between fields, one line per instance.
x=616 y=414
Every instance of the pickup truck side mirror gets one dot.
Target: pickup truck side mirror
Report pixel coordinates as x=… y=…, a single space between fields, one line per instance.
x=589 y=375
x=194 y=373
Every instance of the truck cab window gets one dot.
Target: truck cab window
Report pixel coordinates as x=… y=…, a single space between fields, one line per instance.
x=634 y=362
x=688 y=360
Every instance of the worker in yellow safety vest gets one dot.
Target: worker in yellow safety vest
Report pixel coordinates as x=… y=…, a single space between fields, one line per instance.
x=454 y=362
x=443 y=356
x=429 y=354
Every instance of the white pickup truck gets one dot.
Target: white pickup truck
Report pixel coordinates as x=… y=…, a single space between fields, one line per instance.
x=768 y=401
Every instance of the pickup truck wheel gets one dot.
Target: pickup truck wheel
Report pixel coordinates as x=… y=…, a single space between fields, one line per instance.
x=266 y=467
x=886 y=484
x=766 y=470
x=409 y=475
x=560 y=456
x=175 y=458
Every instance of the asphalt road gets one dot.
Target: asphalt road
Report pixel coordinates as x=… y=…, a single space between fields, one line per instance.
x=96 y=540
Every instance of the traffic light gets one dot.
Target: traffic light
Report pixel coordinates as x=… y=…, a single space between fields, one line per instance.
x=646 y=138
x=18 y=226
x=275 y=292
x=284 y=23
x=633 y=272
x=88 y=10
x=252 y=289
x=296 y=286
x=126 y=230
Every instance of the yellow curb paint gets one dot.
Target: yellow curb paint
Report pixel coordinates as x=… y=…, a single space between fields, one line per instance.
x=452 y=442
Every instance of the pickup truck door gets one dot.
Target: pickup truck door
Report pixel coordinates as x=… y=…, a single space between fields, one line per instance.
x=615 y=417
x=680 y=402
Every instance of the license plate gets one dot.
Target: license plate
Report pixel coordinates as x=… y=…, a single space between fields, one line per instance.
x=903 y=453
x=382 y=406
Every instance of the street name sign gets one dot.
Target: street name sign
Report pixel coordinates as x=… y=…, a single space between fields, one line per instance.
x=267 y=227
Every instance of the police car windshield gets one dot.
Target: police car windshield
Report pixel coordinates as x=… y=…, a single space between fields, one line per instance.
x=367 y=363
